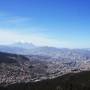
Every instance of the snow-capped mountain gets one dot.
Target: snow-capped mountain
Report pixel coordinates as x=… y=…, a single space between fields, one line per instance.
x=24 y=45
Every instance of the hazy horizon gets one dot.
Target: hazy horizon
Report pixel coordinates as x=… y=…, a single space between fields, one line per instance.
x=56 y=23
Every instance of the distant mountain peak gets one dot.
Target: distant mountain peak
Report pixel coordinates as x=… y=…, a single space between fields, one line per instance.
x=25 y=45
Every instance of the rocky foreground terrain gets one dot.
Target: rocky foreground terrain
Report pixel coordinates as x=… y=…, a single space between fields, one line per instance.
x=71 y=81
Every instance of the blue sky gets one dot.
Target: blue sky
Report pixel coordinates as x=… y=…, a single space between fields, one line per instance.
x=59 y=23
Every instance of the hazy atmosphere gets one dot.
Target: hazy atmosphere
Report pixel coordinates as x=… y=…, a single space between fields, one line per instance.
x=44 y=44
x=58 y=23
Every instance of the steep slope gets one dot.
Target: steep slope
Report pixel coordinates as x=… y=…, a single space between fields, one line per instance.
x=17 y=70
x=21 y=68
x=72 y=81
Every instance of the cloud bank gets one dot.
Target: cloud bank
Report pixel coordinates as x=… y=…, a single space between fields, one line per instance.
x=8 y=37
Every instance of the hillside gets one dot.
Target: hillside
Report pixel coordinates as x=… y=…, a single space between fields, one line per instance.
x=78 y=81
x=40 y=72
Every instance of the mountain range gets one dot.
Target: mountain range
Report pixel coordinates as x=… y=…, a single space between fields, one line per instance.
x=31 y=49
x=23 y=63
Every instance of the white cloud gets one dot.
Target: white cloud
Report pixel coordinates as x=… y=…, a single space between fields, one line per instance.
x=15 y=19
x=6 y=18
x=7 y=36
